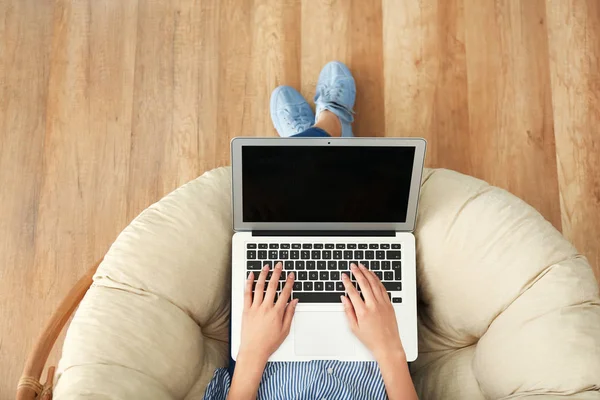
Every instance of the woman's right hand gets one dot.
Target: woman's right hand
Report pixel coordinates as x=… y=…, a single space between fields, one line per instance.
x=373 y=320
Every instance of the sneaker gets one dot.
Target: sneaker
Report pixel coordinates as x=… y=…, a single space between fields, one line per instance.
x=290 y=112
x=336 y=92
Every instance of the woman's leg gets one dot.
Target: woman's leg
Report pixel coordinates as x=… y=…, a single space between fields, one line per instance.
x=328 y=125
x=313 y=132
x=293 y=117
x=335 y=94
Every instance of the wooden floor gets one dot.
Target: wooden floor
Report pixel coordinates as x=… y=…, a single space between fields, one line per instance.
x=107 y=105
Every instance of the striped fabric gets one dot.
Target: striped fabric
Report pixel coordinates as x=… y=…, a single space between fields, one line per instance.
x=322 y=379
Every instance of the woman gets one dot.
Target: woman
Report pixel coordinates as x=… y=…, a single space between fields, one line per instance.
x=266 y=323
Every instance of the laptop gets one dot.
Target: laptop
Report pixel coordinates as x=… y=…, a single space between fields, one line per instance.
x=318 y=205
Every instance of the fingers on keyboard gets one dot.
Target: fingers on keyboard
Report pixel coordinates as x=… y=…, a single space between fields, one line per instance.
x=317 y=267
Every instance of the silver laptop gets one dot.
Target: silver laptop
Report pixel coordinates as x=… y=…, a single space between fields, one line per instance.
x=318 y=205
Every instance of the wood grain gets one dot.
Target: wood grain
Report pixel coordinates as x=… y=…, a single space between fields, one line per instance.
x=426 y=78
x=330 y=20
x=511 y=134
x=25 y=45
x=107 y=105
x=87 y=143
x=350 y=32
x=272 y=45
x=365 y=42
x=574 y=38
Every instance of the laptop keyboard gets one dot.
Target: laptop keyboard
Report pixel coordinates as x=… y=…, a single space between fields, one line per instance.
x=318 y=267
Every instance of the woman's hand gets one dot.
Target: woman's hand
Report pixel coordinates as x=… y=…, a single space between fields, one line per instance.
x=373 y=320
x=266 y=323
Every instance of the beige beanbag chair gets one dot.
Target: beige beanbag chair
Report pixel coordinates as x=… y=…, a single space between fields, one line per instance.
x=508 y=309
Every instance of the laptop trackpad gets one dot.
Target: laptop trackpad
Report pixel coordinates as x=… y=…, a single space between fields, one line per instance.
x=322 y=334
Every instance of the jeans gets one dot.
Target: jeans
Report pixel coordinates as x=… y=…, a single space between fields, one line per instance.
x=313 y=132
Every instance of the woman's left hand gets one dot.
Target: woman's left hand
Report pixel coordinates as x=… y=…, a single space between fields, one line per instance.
x=266 y=323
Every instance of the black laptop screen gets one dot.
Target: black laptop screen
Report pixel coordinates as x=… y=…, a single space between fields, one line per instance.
x=326 y=183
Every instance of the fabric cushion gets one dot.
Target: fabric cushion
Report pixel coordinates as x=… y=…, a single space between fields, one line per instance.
x=507 y=306
x=155 y=322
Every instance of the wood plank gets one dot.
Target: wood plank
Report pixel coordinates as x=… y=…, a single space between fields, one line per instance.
x=208 y=82
x=350 y=32
x=86 y=149
x=330 y=19
x=169 y=98
x=235 y=38
x=181 y=161
x=273 y=60
x=574 y=40
x=365 y=38
x=25 y=35
x=426 y=78
x=153 y=99
x=112 y=41
x=511 y=134
x=259 y=50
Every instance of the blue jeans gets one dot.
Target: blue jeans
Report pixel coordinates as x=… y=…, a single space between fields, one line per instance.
x=313 y=132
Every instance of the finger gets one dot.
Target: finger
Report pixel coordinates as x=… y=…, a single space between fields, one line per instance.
x=384 y=293
x=365 y=287
x=260 y=286
x=350 y=314
x=289 y=315
x=248 y=290
x=273 y=285
x=285 y=294
x=352 y=292
x=374 y=283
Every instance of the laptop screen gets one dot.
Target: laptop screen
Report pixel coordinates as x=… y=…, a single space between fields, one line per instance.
x=326 y=184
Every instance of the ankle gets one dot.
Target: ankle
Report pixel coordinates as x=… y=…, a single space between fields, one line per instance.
x=329 y=122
